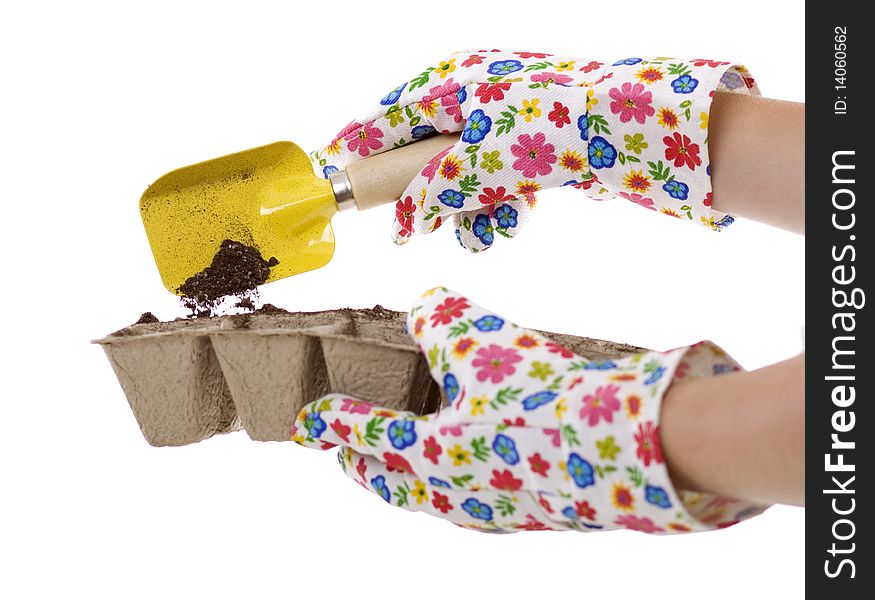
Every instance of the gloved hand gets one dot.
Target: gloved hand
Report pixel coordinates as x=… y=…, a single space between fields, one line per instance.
x=535 y=437
x=633 y=128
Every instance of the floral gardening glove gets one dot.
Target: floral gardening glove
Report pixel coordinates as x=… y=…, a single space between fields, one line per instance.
x=633 y=128
x=535 y=437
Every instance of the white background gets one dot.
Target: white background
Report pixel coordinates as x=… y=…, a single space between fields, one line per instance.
x=99 y=99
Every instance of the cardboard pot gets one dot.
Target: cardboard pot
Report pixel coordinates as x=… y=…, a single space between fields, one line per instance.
x=275 y=364
x=173 y=382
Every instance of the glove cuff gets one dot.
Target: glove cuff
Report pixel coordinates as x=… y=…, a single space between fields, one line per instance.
x=648 y=133
x=642 y=496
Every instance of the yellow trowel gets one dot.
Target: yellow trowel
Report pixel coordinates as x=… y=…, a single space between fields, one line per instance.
x=268 y=198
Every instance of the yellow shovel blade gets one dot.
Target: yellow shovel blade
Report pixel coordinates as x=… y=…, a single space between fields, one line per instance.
x=267 y=197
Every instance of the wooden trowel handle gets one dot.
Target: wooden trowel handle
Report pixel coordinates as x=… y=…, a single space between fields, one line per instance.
x=382 y=179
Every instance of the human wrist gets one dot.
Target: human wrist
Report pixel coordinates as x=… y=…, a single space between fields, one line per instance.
x=705 y=434
x=751 y=139
x=739 y=435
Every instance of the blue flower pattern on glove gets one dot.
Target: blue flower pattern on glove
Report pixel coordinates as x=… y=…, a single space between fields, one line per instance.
x=378 y=484
x=483 y=229
x=654 y=376
x=539 y=399
x=315 y=425
x=657 y=496
x=505 y=67
x=452 y=198
x=393 y=96
x=506 y=449
x=580 y=471
x=583 y=126
x=685 y=84
x=476 y=128
x=600 y=365
x=477 y=509
x=421 y=131
x=627 y=61
x=489 y=323
x=506 y=216
x=602 y=154
x=402 y=434
x=676 y=189
x=451 y=386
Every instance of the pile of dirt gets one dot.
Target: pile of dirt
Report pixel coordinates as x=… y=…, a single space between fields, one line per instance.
x=244 y=321
x=237 y=270
x=270 y=309
x=378 y=312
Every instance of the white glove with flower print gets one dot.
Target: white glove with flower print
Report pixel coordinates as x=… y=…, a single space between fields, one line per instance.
x=633 y=128
x=535 y=437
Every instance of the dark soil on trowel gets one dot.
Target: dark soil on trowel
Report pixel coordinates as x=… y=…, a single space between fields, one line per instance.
x=237 y=270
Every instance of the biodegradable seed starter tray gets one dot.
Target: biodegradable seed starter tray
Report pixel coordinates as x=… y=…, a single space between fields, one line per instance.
x=189 y=379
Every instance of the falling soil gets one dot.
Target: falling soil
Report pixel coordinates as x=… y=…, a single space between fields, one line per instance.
x=146 y=317
x=247 y=303
x=237 y=270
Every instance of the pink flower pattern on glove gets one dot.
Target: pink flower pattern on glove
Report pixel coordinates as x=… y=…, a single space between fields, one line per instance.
x=495 y=363
x=534 y=155
x=631 y=101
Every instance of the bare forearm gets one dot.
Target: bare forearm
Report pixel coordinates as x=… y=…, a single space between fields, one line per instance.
x=740 y=434
x=757 y=157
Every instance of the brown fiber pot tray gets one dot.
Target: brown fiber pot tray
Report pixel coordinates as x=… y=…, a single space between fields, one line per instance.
x=190 y=379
